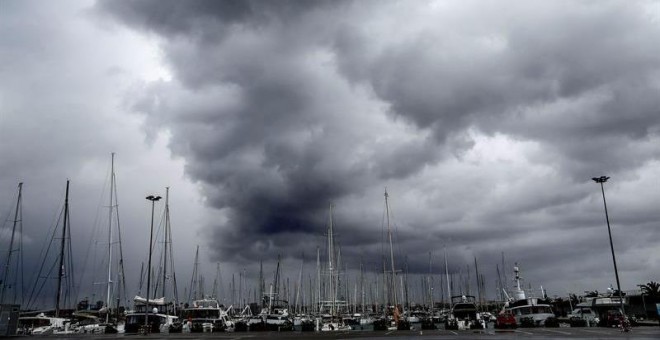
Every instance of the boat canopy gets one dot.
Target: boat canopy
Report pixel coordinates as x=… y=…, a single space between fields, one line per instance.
x=159 y=301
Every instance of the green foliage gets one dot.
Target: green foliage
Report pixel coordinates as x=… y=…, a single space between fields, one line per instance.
x=651 y=289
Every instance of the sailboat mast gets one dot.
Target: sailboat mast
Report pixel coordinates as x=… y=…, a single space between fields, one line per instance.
x=214 y=293
x=121 y=277
x=277 y=278
x=11 y=244
x=109 y=284
x=166 y=235
x=386 y=298
x=141 y=282
x=331 y=252
x=430 y=283
x=300 y=285
x=240 y=287
x=192 y=295
x=362 y=286
x=504 y=276
x=62 y=245
x=318 y=278
x=404 y=285
x=476 y=270
x=336 y=283
x=447 y=275
x=261 y=282
x=389 y=234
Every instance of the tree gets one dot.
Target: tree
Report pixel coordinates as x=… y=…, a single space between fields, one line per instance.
x=651 y=289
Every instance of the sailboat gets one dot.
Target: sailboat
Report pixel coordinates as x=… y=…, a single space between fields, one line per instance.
x=119 y=278
x=301 y=319
x=363 y=318
x=39 y=322
x=330 y=307
x=274 y=314
x=92 y=321
x=11 y=281
x=393 y=318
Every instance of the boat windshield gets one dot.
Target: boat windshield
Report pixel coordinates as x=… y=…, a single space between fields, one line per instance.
x=162 y=309
x=139 y=319
x=202 y=313
x=541 y=310
x=206 y=304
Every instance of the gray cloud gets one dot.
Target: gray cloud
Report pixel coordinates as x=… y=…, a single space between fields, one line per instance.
x=281 y=108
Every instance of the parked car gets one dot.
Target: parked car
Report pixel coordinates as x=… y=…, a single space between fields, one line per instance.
x=585 y=314
x=614 y=318
x=505 y=320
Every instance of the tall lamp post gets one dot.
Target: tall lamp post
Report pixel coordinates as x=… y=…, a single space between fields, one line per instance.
x=601 y=180
x=153 y=200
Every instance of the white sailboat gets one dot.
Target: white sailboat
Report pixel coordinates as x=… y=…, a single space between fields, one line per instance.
x=101 y=320
x=330 y=307
x=115 y=284
x=40 y=322
x=394 y=319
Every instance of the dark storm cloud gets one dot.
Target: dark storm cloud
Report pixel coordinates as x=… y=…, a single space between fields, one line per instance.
x=202 y=18
x=280 y=108
x=177 y=18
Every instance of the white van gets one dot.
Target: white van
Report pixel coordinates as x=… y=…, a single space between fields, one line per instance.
x=586 y=314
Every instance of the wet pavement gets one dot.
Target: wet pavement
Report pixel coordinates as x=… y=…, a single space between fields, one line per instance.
x=545 y=333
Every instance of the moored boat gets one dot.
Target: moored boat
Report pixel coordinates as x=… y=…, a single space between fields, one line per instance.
x=41 y=324
x=206 y=315
x=528 y=311
x=159 y=316
x=464 y=314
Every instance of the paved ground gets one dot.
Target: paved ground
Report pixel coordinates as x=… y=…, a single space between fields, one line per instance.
x=545 y=333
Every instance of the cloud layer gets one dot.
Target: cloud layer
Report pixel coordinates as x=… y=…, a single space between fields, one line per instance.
x=485 y=121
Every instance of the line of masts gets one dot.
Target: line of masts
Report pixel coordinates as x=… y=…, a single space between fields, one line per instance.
x=196 y=288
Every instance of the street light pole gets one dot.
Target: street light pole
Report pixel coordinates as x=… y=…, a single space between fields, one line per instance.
x=153 y=200
x=601 y=180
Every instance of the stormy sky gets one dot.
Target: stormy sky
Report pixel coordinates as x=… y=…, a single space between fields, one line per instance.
x=485 y=121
